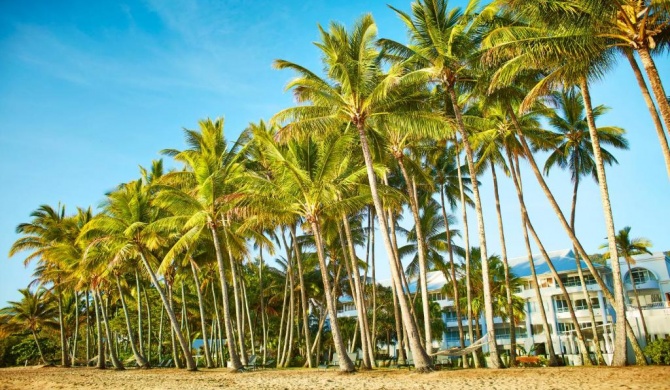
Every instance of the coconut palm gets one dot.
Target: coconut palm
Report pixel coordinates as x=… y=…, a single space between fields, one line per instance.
x=356 y=93
x=308 y=178
x=551 y=44
x=34 y=312
x=448 y=182
x=48 y=229
x=121 y=228
x=575 y=152
x=627 y=248
x=443 y=42
x=201 y=200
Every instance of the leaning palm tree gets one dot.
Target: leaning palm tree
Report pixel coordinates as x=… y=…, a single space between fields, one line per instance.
x=307 y=180
x=628 y=247
x=443 y=42
x=551 y=41
x=202 y=200
x=32 y=313
x=356 y=93
x=121 y=228
x=575 y=152
x=44 y=236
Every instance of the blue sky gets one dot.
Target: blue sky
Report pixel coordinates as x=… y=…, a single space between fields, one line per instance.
x=91 y=90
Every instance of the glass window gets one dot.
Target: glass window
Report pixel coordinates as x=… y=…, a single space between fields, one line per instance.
x=561 y=305
x=595 y=303
x=580 y=304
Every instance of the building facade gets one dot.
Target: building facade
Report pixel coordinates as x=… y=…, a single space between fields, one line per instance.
x=648 y=274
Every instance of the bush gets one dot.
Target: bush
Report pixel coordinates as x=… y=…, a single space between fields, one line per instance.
x=659 y=351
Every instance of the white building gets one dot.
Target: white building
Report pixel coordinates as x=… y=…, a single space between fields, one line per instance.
x=650 y=273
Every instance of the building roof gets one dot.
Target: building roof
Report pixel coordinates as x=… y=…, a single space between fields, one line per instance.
x=563 y=261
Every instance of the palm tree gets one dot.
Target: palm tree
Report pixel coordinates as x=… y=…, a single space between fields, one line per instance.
x=33 y=312
x=121 y=228
x=628 y=247
x=48 y=229
x=357 y=94
x=307 y=179
x=575 y=152
x=202 y=200
x=443 y=42
x=446 y=177
x=550 y=44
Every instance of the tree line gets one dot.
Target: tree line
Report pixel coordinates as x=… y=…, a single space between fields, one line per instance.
x=386 y=127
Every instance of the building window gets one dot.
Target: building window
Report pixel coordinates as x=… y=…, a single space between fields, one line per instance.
x=580 y=304
x=639 y=276
x=573 y=280
x=347 y=307
x=565 y=327
x=450 y=315
x=561 y=305
x=437 y=296
x=595 y=303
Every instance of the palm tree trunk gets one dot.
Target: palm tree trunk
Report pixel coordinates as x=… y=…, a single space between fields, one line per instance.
x=88 y=327
x=652 y=109
x=468 y=284
x=585 y=291
x=190 y=363
x=361 y=305
x=421 y=250
x=236 y=298
x=536 y=285
x=44 y=361
x=371 y=243
x=503 y=255
x=65 y=359
x=101 y=346
x=139 y=315
x=112 y=353
x=148 y=307
x=488 y=300
x=637 y=300
x=346 y=365
x=421 y=359
x=303 y=296
x=639 y=355
x=185 y=314
x=160 y=337
x=452 y=268
x=262 y=301
x=203 y=320
x=280 y=351
x=218 y=325
x=619 y=358
x=656 y=85
x=245 y=298
x=232 y=350
x=76 y=327
x=141 y=361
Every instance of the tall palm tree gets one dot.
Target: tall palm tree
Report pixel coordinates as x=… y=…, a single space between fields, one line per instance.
x=627 y=248
x=575 y=152
x=122 y=228
x=446 y=178
x=444 y=42
x=202 y=200
x=356 y=93
x=551 y=44
x=48 y=230
x=33 y=312
x=308 y=178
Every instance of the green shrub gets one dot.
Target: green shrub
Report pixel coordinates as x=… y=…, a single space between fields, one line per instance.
x=659 y=351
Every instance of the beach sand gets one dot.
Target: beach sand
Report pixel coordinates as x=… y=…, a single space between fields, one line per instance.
x=655 y=377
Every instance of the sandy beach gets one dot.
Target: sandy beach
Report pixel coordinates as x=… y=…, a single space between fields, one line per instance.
x=520 y=378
